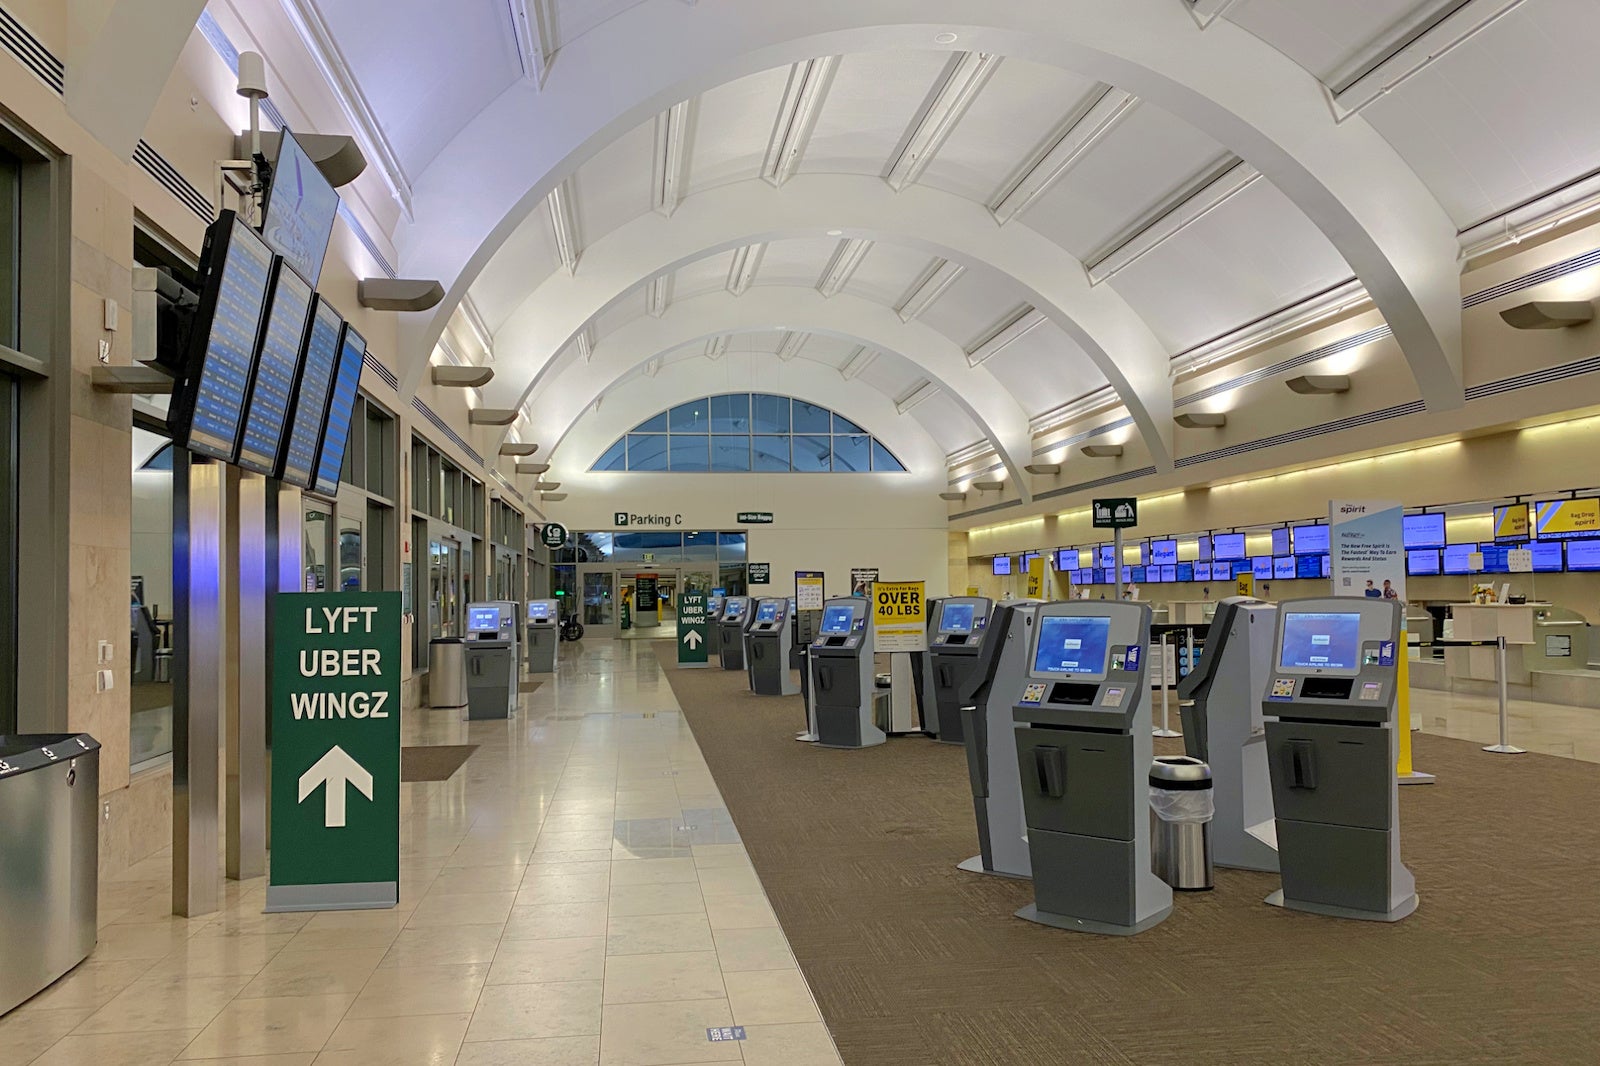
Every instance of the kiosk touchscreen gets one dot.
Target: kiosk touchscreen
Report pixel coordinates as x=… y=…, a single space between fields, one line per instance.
x=1222 y=725
x=1329 y=704
x=491 y=659
x=544 y=634
x=714 y=609
x=1084 y=748
x=841 y=675
x=986 y=695
x=767 y=644
x=955 y=643
x=730 y=631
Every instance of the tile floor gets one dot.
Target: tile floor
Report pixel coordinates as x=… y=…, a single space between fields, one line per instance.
x=1569 y=732
x=575 y=894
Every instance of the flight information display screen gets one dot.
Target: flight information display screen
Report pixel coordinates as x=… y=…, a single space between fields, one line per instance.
x=1164 y=552
x=1319 y=640
x=1455 y=558
x=1583 y=555
x=1202 y=572
x=1546 y=556
x=209 y=411
x=538 y=611
x=1001 y=565
x=1280 y=541
x=836 y=620
x=1227 y=546
x=1310 y=566
x=276 y=368
x=311 y=397
x=767 y=612
x=301 y=205
x=1423 y=530
x=1310 y=540
x=1422 y=561
x=1260 y=567
x=956 y=618
x=1071 y=644
x=1283 y=566
x=341 y=405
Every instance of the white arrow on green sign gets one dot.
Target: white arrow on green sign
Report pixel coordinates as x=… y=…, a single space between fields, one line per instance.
x=693 y=638
x=692 y=650
x=334 y=771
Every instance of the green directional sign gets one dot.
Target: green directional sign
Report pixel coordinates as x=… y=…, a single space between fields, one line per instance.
x=755 y=518
x=692 y=636
x=335 y=693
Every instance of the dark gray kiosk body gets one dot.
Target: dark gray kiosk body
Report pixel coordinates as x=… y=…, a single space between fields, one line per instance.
x=841 y=675
x=1332 y=749
x=1084 y=749
x=922 y=682
x=730 y=631
x=544 y=634
x=988 y=692
x=491 y=659
x=1220 y=703
x=767 y=644
x=956 y=632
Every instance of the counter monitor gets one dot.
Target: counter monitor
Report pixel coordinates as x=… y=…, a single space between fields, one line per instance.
x=1455 y=558
x=1583 y=555
x=1001 y=565
x=1280 y=541
x=1260 y=567
x=1202 y=571
x=1422 y=561
x=1169 y=572
x=1072 y=644
x=1310 y=566
x=956 y=618
x=1227 y=546
x=1108 y=557
x=1185 y=572
x=1310 y=540
x=1321 y=641
x=1163 y=552
x=1423 y=530
x=836 y=620
x=1546 y=556
x=1283 y=566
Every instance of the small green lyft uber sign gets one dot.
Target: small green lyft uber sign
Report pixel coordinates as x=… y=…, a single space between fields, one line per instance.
x=335 y=691
x=692 y=629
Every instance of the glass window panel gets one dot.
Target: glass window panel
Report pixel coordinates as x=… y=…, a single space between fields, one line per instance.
x=732 y=547
x=852 y=453
x=658 y=424
x=615 y=457
x=842 y=424
x=691 y=417
x=647 y=451
x=729 y=453
x=811 y=454
x=769 y=414
x=594 y=547
x=809 y=418
x=691 y=454
x=770 y=453
x=882 y=459
x=730 y=413
x=700 y=547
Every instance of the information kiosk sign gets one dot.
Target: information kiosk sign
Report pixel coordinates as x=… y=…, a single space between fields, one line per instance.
x=808 y=590
x=760 y=573
x=692 y=649
x=335 y=691
x=900 y=620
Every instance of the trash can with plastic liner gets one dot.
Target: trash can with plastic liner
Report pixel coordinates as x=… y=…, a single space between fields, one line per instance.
x=447 y=672
x=1181 y=809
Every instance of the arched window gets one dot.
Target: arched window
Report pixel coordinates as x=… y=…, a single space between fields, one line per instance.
x=743 y=432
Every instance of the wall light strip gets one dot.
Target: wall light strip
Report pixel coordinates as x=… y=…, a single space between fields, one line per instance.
x=564 y=224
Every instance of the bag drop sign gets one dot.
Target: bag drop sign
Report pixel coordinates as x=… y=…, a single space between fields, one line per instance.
x=899 y=616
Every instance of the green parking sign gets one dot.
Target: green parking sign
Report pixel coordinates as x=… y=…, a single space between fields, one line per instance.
x=335 y=692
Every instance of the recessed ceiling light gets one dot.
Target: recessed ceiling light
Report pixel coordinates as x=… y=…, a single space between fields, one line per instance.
x=944 y=38
x=836 y=233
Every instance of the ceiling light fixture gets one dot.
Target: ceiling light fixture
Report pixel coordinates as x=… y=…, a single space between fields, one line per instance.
x=669 y=166
x=1319 y=384
x=1548 y=314
x=492 y=416
x=1043 y=468
x=859 y=360
x=512 y=447
x=1201 y=420
x=1102 y=451
x=989 y=486
x=920 y=393
x=1096 y=115
x=964 y=79
x=945 y=38
x=1209 y=191
x=953 y=497
x=1017 y=326
x=797 y=116
x=565 y=225
x=746 y=261
x=846 y=258
x=928 y=288
x=533 y=468
x=792 y=343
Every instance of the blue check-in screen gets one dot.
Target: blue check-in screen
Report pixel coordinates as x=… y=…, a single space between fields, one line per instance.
x=836 y=620
x=1321 y=641
x=1071 y=644
x=956 y=618
x=732 y=609
x=767 y=612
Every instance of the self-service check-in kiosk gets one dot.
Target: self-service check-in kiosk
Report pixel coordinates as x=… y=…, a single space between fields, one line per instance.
x=730 y=631
x=1220 y=704
x=988 y=693
x=955 y=643
x=714 y=610
x=841 y=675
x=767 y=644
x=491 y=659
x=544 y=634
x=1332 y=748
x=1084 y=749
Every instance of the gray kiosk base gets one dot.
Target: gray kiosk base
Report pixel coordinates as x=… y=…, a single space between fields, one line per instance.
x=1032 y=913
x=351 y=896
x=1406 y=907
x=974 y=865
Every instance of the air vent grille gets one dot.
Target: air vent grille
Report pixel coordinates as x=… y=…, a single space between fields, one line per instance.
x=167 y=176
x=31 y=52
x=1079 y=438
x=371 y=363
x=444 y=427
x=1336 y=426
x=1099 y=482
x=1534 y=377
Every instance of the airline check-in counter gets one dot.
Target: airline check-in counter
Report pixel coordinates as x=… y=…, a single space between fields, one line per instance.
x=767 y=646
x=988 y=694
x=956 y=638
x=842 y=675
x=1332 y=749
x=1084 y=750
x=1539 y=636
x=730 y=631
x=491 y=659
x=544 y=634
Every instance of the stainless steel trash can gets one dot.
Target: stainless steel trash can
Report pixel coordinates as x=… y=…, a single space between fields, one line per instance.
x=1181 y=809
x=447 y=672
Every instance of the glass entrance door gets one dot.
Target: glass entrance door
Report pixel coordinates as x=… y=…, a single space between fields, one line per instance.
x=597 y=596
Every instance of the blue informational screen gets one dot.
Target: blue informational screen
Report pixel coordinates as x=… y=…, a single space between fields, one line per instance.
x=1280 y=541
x=1309 y=566
x=1108 y=575
x=1205 y=549
x=1583 y=555
x=1169 y=572
x=538 y=611
x=734 y=608
x=1186 y=572
x=836 y=620
x=301 y=205
x=483 y=620
x=1321 y=641
x=955 y=618
x=1327 y=565
x=1066 y=559
x=1227 y=546
x=1455 y=558
x=1108 y=557
x=1001 y=565
x=1202 y=571
x=277 y=367
x=311 y=396
x=1422 y=530
x=341 y=406
x=1136 y=574
x=1496 y=558
x=1071 y=644
x=1283 y=566
x=1546 y=556
x=1311 y=540
x=1260 y=567
x=1422 y=561
x=1164 y=552
x=767 y=612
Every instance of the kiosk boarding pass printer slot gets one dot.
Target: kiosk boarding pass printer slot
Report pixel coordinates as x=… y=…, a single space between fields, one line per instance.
x=544 y=634
x=1084 y=748
x=767 y=647
x=986 y=696
x=1332 y=749
x=955 y=645
x=491 y=659
x=841 y=675
x=730 y=631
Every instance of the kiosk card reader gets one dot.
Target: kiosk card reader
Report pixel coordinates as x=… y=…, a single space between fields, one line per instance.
x=1084 y=749
x=730 y=631
x=1220 y=703
x=544 y=633
x=955 y=641
x=1332 y=750
x=491 y=659
x=841 y=675
x=988 y=692
x=767 y=645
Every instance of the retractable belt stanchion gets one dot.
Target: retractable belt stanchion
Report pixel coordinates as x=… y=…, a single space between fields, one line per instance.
x=1504 y=747
x=1169 y=655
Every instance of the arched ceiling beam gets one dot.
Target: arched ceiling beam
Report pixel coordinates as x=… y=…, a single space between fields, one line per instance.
x=1230 y=84
x=1117 y=340
x=566 y=394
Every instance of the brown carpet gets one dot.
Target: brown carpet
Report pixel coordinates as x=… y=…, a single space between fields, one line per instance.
x=915 y=962
x=433 y=762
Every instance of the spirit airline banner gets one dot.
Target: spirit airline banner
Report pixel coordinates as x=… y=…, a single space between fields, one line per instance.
x=1368 y=549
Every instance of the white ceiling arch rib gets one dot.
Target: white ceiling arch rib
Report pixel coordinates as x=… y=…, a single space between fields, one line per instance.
x=1116 y=339
x=566 y=394
x=1225 y=81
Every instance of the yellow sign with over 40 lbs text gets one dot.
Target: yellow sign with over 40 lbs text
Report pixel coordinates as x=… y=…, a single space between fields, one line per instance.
x=899 y=616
